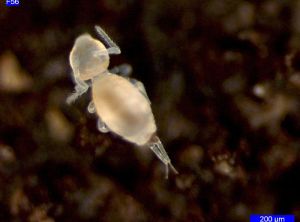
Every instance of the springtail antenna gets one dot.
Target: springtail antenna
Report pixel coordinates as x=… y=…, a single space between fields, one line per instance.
x=113 y=47
x=161 y=153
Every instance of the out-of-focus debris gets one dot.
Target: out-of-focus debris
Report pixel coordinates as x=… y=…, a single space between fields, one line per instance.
x=269 y=114
x=55 y=69
x=39 y=214
x=104 y=194
x=257 y=39
x=93 y=199
x=19 y=202
x=231 y=56
x=261 y=90
x=7 y=154
x=295 y=80
x=223 y=164
x=185 y=181
x=178 y=125
x=49 y=5
x=240 y=211
x=192 y=156
x=59 y=127
x=292 y=61
x=271 y=8
x=234 y=84
x=295 y=24
x=280 y=156
x=243 y=17
x=12 y=77
x=7 y=157
x=123 y=207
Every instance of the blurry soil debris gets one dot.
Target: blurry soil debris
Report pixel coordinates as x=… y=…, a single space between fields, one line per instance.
x=12 y=77
x=58 y=126
x=223 y=77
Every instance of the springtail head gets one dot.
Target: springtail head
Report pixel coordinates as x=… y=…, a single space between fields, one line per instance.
x=156 y=146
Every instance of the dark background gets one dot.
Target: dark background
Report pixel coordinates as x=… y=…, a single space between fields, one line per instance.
x=224 y=80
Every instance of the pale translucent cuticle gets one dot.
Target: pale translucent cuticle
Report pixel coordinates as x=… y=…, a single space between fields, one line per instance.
x=120 y=102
